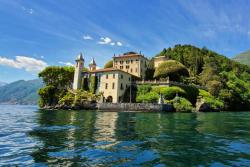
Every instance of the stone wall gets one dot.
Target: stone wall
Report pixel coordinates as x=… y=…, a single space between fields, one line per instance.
x=135 y=107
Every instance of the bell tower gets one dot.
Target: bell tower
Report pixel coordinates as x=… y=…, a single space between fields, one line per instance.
x=92 y=65
x=78 y=72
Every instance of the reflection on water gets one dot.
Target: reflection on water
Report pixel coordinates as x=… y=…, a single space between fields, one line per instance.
x=81 y=138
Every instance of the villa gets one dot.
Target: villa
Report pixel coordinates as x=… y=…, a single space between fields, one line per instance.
x=112 y=82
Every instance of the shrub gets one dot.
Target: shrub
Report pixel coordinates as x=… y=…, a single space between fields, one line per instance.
x=83 y=96
x=67 y=99
x=214 y=103
x=182 y=105
x=143 y=89
x=169 y=92
x=150 y=97
x=109 y=64
x=172 y=69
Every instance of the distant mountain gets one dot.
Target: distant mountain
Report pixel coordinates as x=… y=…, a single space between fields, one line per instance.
x=2 y=83
x=20 y=92
x=243 y=58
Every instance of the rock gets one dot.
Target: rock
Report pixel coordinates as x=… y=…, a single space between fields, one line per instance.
x=204 y=107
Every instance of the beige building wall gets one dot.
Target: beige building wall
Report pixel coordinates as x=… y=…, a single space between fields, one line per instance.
x=159 y=60
x=113 y=83
x=135 y=65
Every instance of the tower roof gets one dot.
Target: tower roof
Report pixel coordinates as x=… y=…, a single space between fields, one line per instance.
x=79 y=57
x=93 y=61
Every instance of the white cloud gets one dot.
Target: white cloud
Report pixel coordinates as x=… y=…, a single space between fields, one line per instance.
x=248 y=33
x=104 y=40
x=108 y=41
x=22 y=62
x=29 y=11
x=66 y=63
x=118 y=43
x=87 y=37
x=42 y=57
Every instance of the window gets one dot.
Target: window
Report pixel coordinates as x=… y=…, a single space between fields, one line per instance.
x=131 y=70
x=113 y=85
x=129 y=78
x=127 y=67
x=135 y=69
x=121 y=86
x=121 y=62
x=113 y=75
x=106 y=86
x=121 y=76
x=131 y=61
x=127 y=61
x=126 y=86
x=107 y=76
x=121 y=67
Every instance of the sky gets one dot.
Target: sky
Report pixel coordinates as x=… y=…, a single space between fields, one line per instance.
x=41 y=33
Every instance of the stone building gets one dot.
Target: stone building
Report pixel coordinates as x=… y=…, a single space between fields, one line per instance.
x=158 y=60
x=131 y=62
x=111 y=82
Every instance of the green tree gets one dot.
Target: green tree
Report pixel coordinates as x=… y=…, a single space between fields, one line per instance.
x=47 y=96
x=59 y=77
x=93 y=84
x=57 y=80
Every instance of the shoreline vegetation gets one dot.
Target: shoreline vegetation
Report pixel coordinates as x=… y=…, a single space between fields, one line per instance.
x=226 y=84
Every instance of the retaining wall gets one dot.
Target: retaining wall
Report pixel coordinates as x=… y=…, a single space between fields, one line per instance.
x=135 y=107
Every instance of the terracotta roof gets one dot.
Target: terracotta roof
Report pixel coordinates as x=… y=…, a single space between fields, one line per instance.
x=104 y=70
x=128 y=55
x=110 y=69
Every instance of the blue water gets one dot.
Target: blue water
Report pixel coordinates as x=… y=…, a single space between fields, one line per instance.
x=31 y=137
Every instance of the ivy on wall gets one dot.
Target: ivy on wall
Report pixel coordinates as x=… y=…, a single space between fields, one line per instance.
x=85 y=84
x=93 y=84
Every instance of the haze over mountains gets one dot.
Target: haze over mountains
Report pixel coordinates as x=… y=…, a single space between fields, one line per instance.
x=20 y=92
x=2 y=83
x=243 y=58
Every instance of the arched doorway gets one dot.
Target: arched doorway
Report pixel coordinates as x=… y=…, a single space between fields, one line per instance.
x=109 y=99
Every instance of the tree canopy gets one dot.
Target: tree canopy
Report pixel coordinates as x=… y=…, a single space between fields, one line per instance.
x=172 y=69
x=109 y=64
x=57 y=80
x=224 y=78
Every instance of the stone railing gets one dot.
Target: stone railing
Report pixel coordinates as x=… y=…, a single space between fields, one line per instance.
x=166 y=82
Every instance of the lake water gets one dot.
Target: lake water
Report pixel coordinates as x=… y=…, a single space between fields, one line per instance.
x=29 y=137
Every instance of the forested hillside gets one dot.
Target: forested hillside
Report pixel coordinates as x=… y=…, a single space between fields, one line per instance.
x=224 y=78
x=20 y=92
